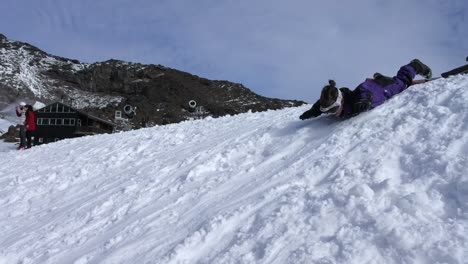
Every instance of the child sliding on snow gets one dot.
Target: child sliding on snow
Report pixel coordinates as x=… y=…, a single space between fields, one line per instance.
x=345 y=103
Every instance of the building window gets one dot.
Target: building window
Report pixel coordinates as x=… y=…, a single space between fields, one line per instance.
x=59 y=122
x=78 y=122
x=118 y=114
x=68 y=122
x=52 y=121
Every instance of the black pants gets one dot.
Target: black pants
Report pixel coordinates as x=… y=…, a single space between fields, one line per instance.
x=29 y=134
x=22 y=135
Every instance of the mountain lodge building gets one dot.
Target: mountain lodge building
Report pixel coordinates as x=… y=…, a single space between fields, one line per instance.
x=58 y=121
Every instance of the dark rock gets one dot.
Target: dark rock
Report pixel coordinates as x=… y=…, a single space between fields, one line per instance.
x=11 y=135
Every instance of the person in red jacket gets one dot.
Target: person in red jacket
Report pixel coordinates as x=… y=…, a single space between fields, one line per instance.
x=30 y=124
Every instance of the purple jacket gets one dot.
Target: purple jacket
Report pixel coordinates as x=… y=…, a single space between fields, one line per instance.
x=369 y=94
x=374 y=92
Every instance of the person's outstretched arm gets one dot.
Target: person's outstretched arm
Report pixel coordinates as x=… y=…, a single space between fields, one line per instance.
x=18 y=111
x=312 y=112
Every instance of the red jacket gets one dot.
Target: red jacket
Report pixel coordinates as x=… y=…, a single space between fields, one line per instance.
x=30 y=122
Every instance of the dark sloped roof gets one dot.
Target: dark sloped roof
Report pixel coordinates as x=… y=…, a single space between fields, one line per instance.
x=82 y=113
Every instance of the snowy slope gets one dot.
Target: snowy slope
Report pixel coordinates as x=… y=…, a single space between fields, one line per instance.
x=4 y=125
x=388 y=186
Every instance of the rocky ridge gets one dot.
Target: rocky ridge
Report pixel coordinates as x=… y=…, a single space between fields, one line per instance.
x=153 y=94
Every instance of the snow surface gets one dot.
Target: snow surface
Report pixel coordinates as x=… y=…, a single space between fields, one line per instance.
x=4 y=125
x=387 y=186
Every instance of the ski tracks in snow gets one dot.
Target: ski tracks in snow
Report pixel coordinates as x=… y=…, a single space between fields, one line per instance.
x=388 y=186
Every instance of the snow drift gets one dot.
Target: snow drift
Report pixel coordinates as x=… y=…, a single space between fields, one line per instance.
x=387 y=186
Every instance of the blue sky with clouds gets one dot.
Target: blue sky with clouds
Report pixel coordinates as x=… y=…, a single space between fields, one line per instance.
x=282 y=49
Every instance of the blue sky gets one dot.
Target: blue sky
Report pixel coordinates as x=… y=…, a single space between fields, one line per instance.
x=282 y=49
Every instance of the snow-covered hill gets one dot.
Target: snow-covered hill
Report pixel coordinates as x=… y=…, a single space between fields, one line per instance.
x=22 y=72
x=387 y=186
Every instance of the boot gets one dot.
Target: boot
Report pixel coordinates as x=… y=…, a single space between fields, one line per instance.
x=421 y=69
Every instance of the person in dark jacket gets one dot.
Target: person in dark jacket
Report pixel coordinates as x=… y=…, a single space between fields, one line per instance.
x=371 y=93
x=21 y=113
x=30 y=124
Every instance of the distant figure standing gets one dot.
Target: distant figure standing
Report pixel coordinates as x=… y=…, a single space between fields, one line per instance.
x=21 y=113
x=30 y=123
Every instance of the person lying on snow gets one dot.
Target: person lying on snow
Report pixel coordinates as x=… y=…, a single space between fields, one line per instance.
x=345 y=103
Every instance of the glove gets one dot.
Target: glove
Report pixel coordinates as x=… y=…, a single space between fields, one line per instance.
x=313 y=112
x=361 y=106
x=421 y=69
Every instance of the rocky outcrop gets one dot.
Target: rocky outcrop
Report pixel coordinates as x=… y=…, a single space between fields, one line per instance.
x=159 y=95
x=11 y=135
